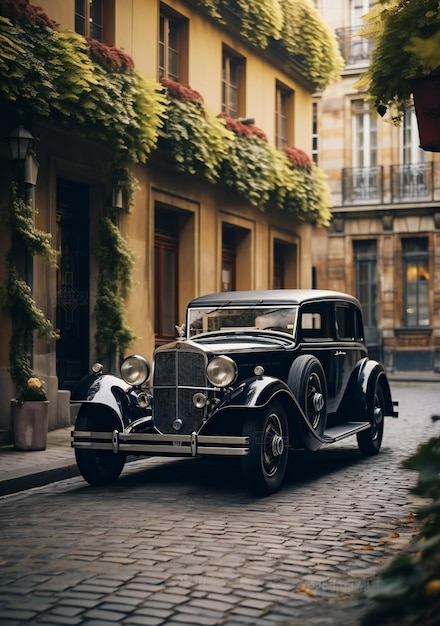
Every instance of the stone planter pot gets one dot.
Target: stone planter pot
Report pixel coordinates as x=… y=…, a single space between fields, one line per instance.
x=29 y=424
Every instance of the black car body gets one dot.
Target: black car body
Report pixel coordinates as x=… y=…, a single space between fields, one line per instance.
x=251 y=374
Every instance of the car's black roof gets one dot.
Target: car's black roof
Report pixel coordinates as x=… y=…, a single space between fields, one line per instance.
x=271 y=297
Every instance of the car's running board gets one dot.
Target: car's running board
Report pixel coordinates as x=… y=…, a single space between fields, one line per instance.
x=335 y=433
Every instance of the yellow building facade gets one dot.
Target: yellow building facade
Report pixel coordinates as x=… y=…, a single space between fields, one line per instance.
x=187 y=235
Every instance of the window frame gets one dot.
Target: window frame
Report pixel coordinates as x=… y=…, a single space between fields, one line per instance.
x=283 y=115
x=229 y=59
x=416 y=259
x=86 y=17
x=180 y=24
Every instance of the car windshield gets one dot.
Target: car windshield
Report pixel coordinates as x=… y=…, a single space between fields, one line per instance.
x=249 y=318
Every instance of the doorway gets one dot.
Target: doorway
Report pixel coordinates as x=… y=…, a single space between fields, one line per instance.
x=73 y=302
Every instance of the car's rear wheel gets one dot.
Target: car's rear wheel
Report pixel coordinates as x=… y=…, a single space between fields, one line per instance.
x=370 y=441
x=97 y=467
x=307 y=382
x=265 y=465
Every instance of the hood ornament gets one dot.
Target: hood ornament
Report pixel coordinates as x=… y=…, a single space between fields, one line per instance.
x=181 y=331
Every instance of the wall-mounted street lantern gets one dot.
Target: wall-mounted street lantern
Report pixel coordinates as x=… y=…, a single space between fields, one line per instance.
x=21 y=142
x=22 y=148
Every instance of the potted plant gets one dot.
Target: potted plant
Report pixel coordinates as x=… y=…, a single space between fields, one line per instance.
x=29 y=412
x=406 y=62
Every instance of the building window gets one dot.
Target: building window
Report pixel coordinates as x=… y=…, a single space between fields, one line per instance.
x=232 y=84
x=415 y=281
x=166 y=249
x=168 y=48
x=364 y=135
x=283 y=122
x=315 y=132
x=89 y=18
x=365 y=254
x=173 y=46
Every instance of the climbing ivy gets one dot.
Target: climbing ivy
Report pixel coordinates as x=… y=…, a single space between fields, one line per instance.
x=15 y=294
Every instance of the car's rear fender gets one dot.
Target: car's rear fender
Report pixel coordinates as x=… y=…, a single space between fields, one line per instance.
x=360 y=393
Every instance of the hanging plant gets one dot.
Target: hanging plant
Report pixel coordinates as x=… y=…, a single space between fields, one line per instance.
x=406 y=37
x=197 y=140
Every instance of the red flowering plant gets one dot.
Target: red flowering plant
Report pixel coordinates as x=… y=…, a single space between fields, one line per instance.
x=110 y=57
x=181 y=92
x=242 y=130
x=298 y=158
x=23 y=13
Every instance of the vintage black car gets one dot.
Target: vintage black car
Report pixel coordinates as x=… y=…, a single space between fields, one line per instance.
x=252 y=374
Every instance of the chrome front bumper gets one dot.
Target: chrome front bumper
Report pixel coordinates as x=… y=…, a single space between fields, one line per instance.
x=155 y=444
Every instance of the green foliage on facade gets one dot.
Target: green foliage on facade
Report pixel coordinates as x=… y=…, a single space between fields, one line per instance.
x=16 y=295
x=113 y=336
x=294 y=24
x=221 y=149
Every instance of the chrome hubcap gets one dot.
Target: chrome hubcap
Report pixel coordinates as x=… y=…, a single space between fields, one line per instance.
x=318 y=401
x=277 y=445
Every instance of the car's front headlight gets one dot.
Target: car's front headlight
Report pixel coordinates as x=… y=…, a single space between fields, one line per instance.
x=221 y=371
x=135 y=370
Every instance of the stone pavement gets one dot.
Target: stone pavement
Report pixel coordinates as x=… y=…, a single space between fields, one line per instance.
x=24 y=470
x=181 y=542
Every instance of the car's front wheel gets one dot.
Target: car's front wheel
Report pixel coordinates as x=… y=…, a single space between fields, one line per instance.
x=97 y=467
x=308 y=384
x=369 y=441
x=265 y=465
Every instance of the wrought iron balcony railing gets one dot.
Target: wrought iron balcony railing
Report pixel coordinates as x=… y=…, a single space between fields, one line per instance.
x=362 y=185
x=354 y=49
x=412 y=182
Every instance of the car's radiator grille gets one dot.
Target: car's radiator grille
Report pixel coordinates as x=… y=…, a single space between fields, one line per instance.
x=178 y=375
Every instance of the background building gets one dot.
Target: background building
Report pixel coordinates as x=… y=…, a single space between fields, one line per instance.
x=383 y=243
x=198 y=222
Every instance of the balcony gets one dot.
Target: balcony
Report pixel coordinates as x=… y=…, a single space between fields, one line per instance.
x=398 y=184
x=362 y=185
x=354 y=49
x=412 y=182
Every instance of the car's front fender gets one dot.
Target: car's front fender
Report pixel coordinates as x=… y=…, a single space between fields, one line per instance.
x=255 y=394
x=104 y=396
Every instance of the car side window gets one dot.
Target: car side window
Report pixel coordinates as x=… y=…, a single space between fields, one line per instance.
x=315 y=323
x=349 y=324
x=345 y=323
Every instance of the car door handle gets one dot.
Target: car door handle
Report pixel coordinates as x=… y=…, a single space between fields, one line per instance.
x=340 y=353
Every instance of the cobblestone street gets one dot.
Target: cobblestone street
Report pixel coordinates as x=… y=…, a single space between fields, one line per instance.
x=182 y=542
